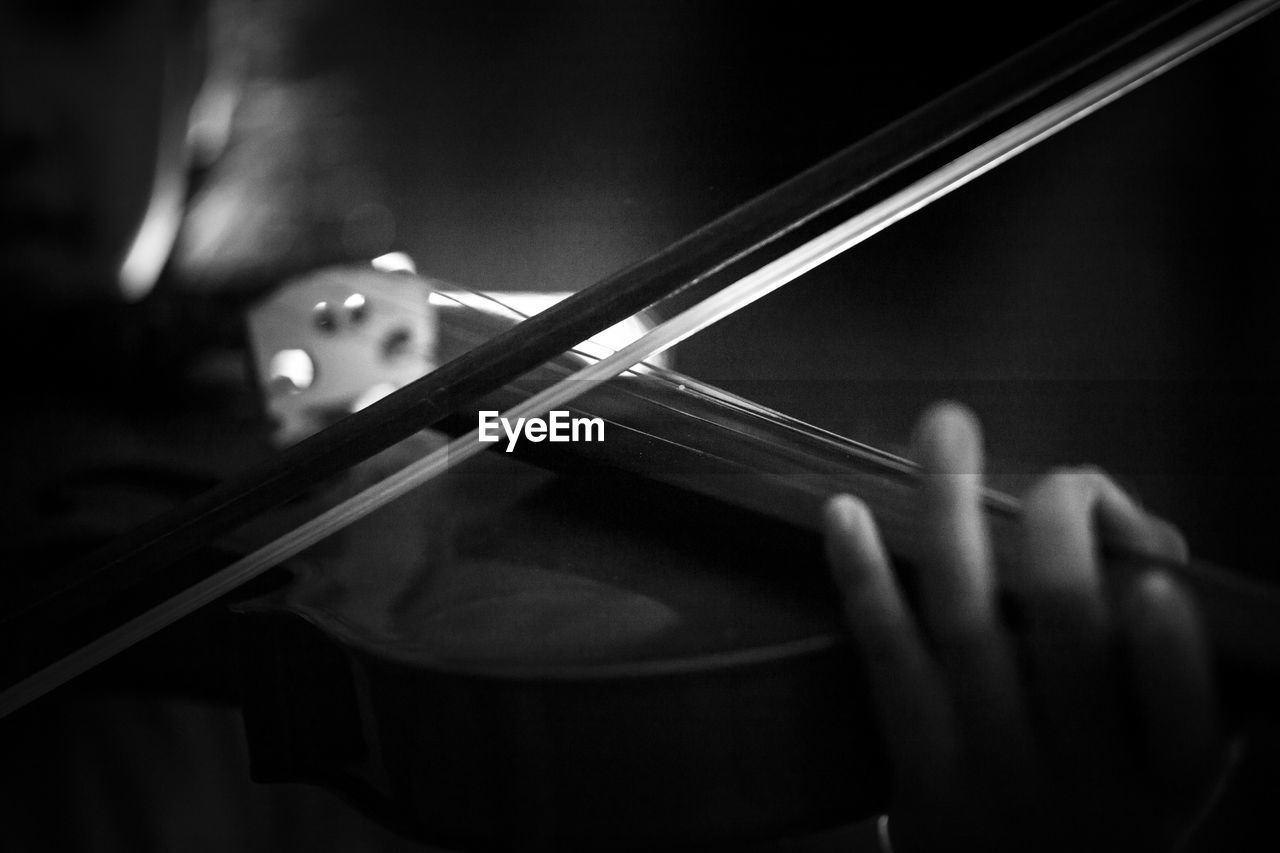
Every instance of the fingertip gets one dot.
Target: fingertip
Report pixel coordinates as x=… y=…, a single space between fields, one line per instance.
x=853 y=545
x=943 y=415
x=1125 y=524
x=948 y=439
x=1172 y=544
x=848 y=516
x=1158 y=604
x=847 y=522
x=841 y=511
x=1158 y=587
x=1166 y=633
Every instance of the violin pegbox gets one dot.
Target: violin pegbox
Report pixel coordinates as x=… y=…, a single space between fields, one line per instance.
x=331 y=342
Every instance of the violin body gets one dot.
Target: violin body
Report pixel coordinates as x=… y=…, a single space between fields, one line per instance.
x=630 y=643
x=573 y=658
x=604 y=672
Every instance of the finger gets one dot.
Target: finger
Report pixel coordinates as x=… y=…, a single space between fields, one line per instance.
x=1069 y=638
x=910 y=703
x=1169 y=663
x=957 y=585
x=1125 y=529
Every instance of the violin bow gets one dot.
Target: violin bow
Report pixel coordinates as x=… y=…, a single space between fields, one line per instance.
x=727 y=264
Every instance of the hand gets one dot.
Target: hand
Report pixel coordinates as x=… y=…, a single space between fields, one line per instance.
x=1093 y=728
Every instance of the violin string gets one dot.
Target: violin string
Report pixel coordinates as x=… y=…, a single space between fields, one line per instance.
x=768 y=278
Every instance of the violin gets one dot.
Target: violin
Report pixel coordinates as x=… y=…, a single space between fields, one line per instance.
x=526 y=687
x=409 y=723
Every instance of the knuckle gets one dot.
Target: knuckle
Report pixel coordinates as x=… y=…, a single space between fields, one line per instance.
x=1093 y=477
